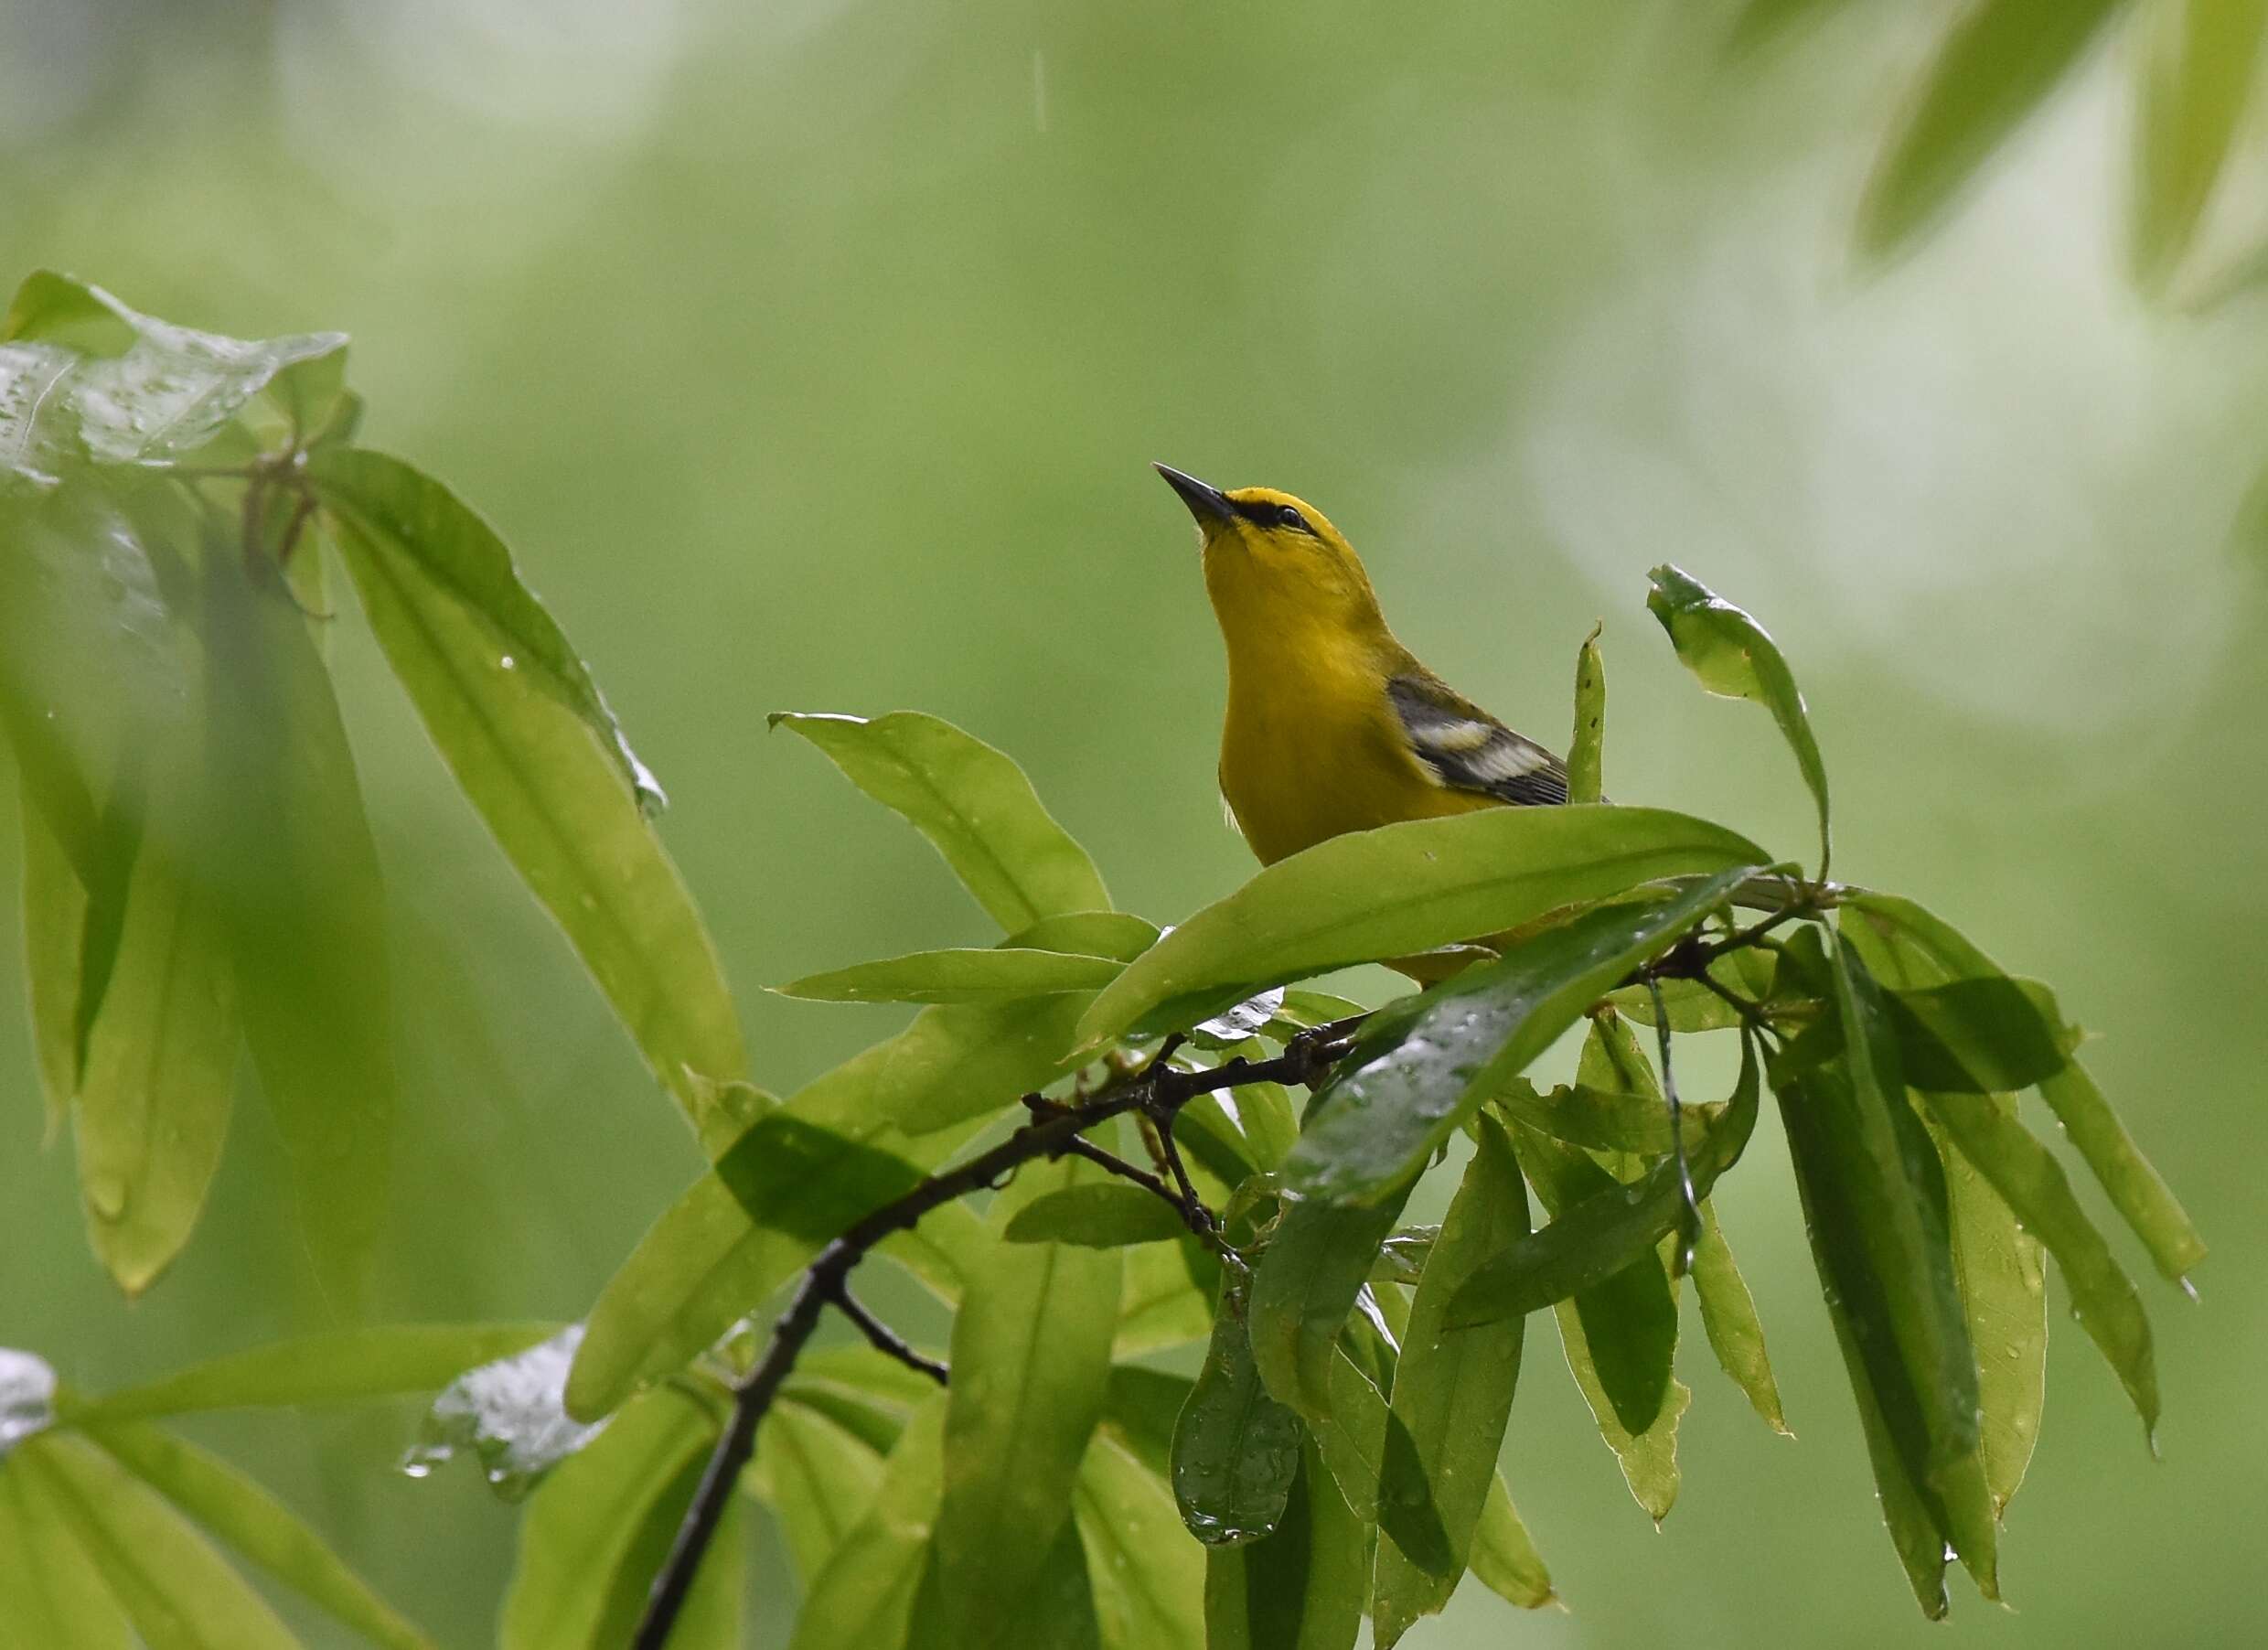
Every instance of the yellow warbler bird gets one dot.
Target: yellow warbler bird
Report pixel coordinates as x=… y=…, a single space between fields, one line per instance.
x=1332 y=724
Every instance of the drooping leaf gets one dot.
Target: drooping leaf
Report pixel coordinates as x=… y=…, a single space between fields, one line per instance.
x=296 y=876
x=1732 y=654
x=1235 y=1449
x=864 y=1596
x=1603 y=1120
x=335 y=1366
x=55 y=913
x=1031 y=1355
x=957 y=976
x=257 y=1527
x=2030 y=1181
x=1912 y=947
x=509 y=1414
x=1099 y=1215
x=2200 y=64
x=582 y=1526
x=517 y=718
x=1453 y=1388
x=1979 y=1036
x=973 y=803
x=1584 y=750
x=2001 y=1268
x=50 y=1593
x=1996 y=65
x=176 y=1590
x=1304 y=1587
x=1728 y=1319
x=1418 y=1071
x=1600 y=1225
x=1403 y=889
x=1505 y=1559
x=1147 y=1574
x=819 y=1480
x=1316 y=1263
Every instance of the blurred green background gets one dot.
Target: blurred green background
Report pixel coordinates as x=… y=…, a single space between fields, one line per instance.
x=812 y=356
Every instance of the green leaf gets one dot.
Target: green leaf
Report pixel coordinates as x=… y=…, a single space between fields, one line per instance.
x=258 y=1527
x=1648 y=1459
x=297 y=874
x=176 y=1590
x=1141 y=1409
x=336 y=1366
x=511 y=1414
x=387 y=512
x=160 y=1071
x=1980 y=1036
x=2201 y=60
x=1912 y=947
x=51 y=1594
x=1147 y=1574
x=55 y=912
x=1103 y=1216
x=2002 y=1272
x=862 y=1599
x=1732 y=654
x=1030 y=1354
x=580 y=1529
x=957 y=976
x=1417 y=1071
x=1604 y=1120
x=1761 y=22
x=712 y=1616
x=521 y=726
x=870 y=1395
x=1996 y=65
x=1600 y=1225
x=1402 y=889
x=2029 y=1180
x=1302 y=1588
x=1693 y=1006
x=1505 y=1560
x=974 y=805
x=126 y=387
x=1236 y=1450
x=1315 y=1264
x=1584 y=750
x=1166 y=1297
x=1453 y=1388
x=818 y=1479
x=1728 y=1318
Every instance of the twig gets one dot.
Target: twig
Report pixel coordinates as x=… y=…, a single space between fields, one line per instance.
x=1689 y=1222
x=1157 y=1090
x=885 y=1339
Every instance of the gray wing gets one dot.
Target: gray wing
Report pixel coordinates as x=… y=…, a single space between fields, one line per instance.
x=1465 y=749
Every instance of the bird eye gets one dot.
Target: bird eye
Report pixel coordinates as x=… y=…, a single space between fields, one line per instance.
x=1286 y=516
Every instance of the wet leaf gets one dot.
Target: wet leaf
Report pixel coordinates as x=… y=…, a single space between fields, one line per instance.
x=1235 y=1024
x=1916 y=948
x=1031 y=1358
x=1235 y=1449
x=581 y=1532
x=1600 y=1225
x=1400 y=890
x=257 y=1527
x=1147 y=1575
x=1648 y=1459
x=178 y=1593
x=1002 y=975
x=297 y=875
x=1419 y=1071
x=973 y=803
x=1302 y=1588
x=865 y=1595
x=1584 y=750
x=1101 y=1215
x=1315 y=1264
x=520 y=724
x=2201 y=62
x=347 y=1365
x=1979 y=1036
x=1728 y=1318
x=509 y=1414
x=2029 y=1180
x=1732 y=656
x=1996 y=65
x=1505 y=1560
x=1453 y=1388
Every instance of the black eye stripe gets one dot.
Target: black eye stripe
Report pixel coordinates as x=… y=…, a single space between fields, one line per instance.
x=1264 y=512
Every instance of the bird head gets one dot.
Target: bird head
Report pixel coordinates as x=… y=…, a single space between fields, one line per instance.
x=1266 y=551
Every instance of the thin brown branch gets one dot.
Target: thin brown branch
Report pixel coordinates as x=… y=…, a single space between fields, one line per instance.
x=886 y=1340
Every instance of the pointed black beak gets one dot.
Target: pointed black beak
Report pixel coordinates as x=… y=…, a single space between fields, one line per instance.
x=1206 y=503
